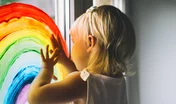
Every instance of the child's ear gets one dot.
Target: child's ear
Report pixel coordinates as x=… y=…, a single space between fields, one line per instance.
x=91 y=43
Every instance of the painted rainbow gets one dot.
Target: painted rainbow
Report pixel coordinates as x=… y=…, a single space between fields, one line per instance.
x=24 y=29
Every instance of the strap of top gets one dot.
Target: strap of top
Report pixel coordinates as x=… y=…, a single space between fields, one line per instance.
x=84 y=75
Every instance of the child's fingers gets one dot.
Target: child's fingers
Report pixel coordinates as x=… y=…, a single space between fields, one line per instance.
x=54 y=77
x=53 y=41
x=53 y=37
x=54 y=54
x=56 y=42
x=56 y=59
x=51 y=51
x=42 y=55
x=47 y=53
x=59 y=42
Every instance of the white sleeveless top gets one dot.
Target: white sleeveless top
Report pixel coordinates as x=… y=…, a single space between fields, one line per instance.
x=103 y=89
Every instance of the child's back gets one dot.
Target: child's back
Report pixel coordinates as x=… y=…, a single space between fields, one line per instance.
x=106 y=90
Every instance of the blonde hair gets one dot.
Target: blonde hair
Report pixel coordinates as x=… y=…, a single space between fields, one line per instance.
x=115 y=39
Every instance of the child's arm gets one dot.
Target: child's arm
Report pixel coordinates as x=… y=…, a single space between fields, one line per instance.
x=63 y=59
x=70 y=89
x=44 y=92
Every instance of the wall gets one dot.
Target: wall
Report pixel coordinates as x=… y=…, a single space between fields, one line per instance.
x=155 y=25
x=81 y=6
x=45 y=5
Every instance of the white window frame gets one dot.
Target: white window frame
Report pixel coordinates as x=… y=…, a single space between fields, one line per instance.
x=64 y=17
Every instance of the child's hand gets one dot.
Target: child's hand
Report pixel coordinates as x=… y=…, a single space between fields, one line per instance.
x=66 y=62
x=57 y=44
x=47 y=61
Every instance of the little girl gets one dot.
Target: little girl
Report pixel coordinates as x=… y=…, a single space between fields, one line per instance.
x=103 y=45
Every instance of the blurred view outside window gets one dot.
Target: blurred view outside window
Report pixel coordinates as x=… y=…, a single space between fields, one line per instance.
x=46 y=5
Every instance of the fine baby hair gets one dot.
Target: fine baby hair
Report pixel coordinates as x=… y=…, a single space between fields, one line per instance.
x=115 y=39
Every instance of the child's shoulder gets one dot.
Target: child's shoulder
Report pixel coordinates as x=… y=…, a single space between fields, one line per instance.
x=75 y=78
x=75 y=74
